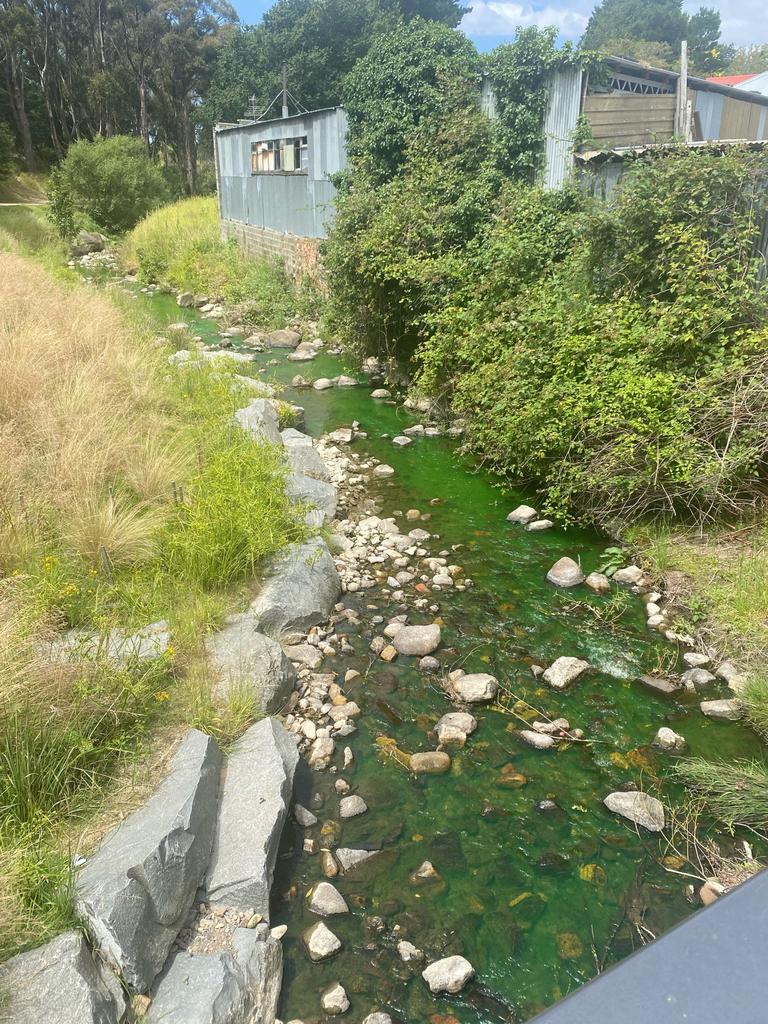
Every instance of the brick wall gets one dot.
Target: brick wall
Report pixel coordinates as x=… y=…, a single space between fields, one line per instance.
x=300 y=255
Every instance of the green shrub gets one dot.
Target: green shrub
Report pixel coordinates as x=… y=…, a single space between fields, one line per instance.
x=236 y=513
x=7 y=152
x=112 y=181
x=612 y=355
x=180 y=245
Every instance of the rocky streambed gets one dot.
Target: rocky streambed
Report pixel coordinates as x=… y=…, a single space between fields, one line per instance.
x=474 y=826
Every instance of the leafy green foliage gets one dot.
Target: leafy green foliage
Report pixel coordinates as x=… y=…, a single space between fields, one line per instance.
x=519 y=73
x=662 y=22
x=321 y=41
x=7 y=152
x=613 y=369
x=112 y=181
x=403 y=91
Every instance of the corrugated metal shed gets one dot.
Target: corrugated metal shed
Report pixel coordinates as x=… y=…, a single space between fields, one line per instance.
x=286 y=201
x=563 y=109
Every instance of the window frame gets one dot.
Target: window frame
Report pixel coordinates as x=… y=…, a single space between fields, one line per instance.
x=275 y=150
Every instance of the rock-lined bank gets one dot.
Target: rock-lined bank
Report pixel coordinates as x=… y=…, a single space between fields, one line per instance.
x=449 y=828
x=175 y=901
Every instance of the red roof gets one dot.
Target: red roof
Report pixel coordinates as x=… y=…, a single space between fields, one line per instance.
x=731 y=79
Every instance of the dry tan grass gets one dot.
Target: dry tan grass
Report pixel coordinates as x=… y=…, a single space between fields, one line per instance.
x=80 y=417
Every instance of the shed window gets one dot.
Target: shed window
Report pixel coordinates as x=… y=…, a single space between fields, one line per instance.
x=280 y=156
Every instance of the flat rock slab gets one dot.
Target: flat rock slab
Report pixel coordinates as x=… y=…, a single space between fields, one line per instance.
x=565 y=573
x=349 y=859
x=430 y=762
x=301 y=591
x=639 y=808
x=449 y=975
x=476 y=688
x=135 y=891
x=259 y=419
x=658 y=684
x=727 y=710
x=307 y=462
x=306 y=490
x=564 y=671
x=249 y=664
x=255 y=797
x=417 y=640
x=146 y=644
x=60 y=982
x=221 y=988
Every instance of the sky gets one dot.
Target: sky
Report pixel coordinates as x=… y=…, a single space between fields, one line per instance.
x=494 y=21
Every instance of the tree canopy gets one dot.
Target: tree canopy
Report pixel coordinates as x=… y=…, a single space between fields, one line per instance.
x=630 y=28
x=321 y=41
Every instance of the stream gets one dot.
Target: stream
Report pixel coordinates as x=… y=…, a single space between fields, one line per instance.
x=537 y=900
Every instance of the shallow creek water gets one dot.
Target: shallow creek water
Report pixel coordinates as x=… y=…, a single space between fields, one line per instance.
x=532 y=899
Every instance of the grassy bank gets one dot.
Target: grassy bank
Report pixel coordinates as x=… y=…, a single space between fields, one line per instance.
x=127 y=495
x=181 y=245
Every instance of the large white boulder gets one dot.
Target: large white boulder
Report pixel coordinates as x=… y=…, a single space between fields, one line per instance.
x=449 y=975
x=639 y=808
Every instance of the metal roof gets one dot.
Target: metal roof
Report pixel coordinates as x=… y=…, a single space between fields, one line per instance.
x=228 y=127
x=634 y=67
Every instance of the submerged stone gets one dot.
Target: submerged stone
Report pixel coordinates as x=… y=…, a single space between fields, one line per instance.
x=476 y=688
x=564 y=671
x=639 y=808
x=417 y=640
x=320 y=942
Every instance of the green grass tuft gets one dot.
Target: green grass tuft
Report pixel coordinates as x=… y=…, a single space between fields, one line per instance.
x=736 y=793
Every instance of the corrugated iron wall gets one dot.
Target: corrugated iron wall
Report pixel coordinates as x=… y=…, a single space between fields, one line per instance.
x=559 y=123
x=723 y=117
x=297 y=204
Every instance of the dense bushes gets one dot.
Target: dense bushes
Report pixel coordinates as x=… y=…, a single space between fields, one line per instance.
x=112 y=182
x=625 y=379
x=180 y=245
x=610 y=355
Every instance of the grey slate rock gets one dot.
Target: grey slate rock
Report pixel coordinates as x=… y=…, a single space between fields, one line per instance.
x=259 y=419
x=221 y=988
x=135 y=891
x=146 y=644
x=659 y=685
x=60 y=982
x=301 y=591
x=727 y=710
x=307 y=461
x=248 y=663
x=255 y=797
x=306 y=490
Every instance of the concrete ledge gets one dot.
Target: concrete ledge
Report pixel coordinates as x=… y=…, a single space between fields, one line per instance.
x=710 y=969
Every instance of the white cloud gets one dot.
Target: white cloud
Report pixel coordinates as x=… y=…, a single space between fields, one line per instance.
x=743 y=21
x=502 y=17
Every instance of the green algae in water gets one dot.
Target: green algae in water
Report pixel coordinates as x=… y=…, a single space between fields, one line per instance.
x=536 y=900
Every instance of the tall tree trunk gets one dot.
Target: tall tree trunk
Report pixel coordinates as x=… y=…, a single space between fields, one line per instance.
x=188 y=151
x=15 y=83
x=143 y=116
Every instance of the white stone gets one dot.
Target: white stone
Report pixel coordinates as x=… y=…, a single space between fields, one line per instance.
x=523 y=514
x=629 y=574
x=565 y=573
x=475 y=688
x=449 y=975
x=352 y=806
x=325 y=900
x=320 y=942
x=637 y=807
x=669 y=741
x=564 y=671
x=334 y=999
